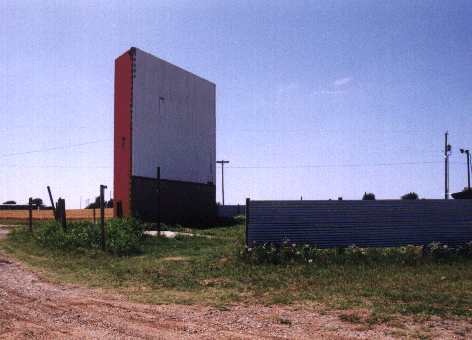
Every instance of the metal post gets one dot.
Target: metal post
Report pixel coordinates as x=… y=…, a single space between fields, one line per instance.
x=158 y=215
x=446 y=167
x=102 y=214
x=247 y=218
x=223 y=182
x=30 y=214
x=468 y=169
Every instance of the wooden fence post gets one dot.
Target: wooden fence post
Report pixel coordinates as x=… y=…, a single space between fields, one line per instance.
x=52 y=203
x=102 y=214
x=119 y=209
x=64 y=217
x=61 y=212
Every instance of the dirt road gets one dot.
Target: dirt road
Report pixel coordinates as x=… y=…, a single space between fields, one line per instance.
x=31 y=307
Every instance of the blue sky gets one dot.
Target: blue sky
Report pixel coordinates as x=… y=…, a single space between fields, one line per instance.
x=318 y=99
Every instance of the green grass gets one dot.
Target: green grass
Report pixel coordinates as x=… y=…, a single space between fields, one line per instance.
x=13 y=222
x=190 y=270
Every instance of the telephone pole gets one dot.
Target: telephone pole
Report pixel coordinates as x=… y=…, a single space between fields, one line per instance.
x=222 y=162
x=447 y=150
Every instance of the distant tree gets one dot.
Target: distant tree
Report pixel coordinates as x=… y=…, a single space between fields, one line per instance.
x=96 y=204
x=410 y=196
x=37 y=201
x=9 y=202
x=368 y=196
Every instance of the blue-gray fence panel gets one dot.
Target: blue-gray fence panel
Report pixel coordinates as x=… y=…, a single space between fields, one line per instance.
x=229 y=211
x=381 y=223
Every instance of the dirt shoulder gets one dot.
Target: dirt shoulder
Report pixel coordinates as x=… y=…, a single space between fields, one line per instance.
x=33 y=307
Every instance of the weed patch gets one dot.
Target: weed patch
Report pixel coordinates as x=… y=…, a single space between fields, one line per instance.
x=123 y=236
x=290 y=253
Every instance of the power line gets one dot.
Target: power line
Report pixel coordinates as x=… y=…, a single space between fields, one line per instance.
x=55 y=166
x=302 y=166
x=335 y=130
x=46 y=166
x=52 y=148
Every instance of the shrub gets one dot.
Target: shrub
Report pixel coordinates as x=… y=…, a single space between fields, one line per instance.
x=368 y=196
x=123 y=236
x=465 y=250
x=77 y=235
x=51 y=235
x=410 y=196
x=285 y=253
x=9 y=202
x=442 y=252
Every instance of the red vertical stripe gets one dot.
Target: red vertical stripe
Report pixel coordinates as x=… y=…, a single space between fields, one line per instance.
x=122 y=142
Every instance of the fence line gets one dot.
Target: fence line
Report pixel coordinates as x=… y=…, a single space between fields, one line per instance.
x=72 y=214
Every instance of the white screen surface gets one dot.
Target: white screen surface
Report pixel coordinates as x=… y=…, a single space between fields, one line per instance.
x=173 y=122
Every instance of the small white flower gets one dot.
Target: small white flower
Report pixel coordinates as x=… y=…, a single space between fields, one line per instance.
x=310 y=261
x=294 y=245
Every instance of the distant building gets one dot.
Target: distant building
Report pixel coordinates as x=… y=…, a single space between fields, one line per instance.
x=164 y=117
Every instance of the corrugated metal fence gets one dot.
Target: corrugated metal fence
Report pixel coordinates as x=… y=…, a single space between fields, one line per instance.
x=381 y=223
x=229 y=211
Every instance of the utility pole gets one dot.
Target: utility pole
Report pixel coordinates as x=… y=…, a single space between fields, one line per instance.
x=467 y=152
x=468 y=169
x=222 y=162
x=447 y=150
